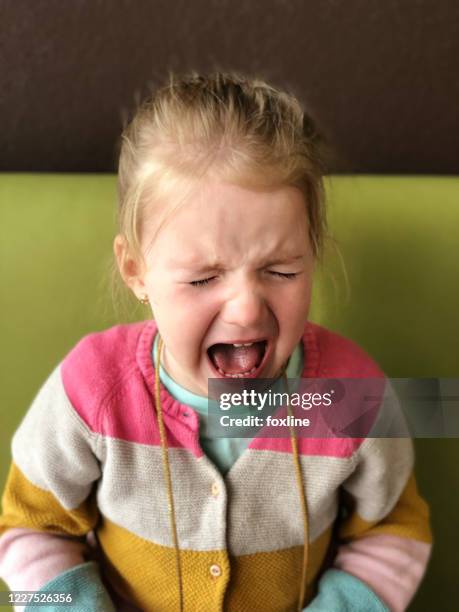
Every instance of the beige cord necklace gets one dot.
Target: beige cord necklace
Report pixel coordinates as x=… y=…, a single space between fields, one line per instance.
x=168 y=480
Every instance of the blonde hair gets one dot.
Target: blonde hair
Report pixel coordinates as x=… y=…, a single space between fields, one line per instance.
x=225 y=125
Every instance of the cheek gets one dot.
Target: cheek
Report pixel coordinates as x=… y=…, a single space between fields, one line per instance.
x=294 y=305
x=183 y=317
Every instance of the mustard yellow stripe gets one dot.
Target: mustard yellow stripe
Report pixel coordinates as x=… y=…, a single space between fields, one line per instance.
x=273 y=577
x=25 y=505
x=145 y=574
x=408 y=519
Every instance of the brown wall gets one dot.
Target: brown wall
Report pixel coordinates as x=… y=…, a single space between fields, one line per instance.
x=381 y=76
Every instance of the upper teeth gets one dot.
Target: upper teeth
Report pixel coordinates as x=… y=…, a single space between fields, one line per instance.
x=246 y=344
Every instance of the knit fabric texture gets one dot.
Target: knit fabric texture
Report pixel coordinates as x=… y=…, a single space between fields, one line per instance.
x=87 y=457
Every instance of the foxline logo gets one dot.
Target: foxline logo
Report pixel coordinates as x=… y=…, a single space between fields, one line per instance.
x=256 y=421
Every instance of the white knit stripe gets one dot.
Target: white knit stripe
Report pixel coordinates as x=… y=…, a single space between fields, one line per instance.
x=264 y=513
x=384 y=466
x=133 y=495
x=53 y=447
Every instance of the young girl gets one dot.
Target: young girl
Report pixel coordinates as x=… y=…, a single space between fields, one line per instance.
x=221 y=221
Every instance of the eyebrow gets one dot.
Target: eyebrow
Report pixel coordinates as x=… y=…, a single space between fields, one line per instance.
x=209 y=267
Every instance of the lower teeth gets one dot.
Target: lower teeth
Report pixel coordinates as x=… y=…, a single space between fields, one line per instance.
x=254 y=369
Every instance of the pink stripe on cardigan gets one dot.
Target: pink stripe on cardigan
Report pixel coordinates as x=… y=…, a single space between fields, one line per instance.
x=29 y=559
x=392 y=566
x=109 y=380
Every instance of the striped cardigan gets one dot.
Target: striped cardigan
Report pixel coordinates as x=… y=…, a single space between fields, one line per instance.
x=87 y=458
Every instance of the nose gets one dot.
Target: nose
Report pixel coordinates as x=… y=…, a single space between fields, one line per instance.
x=245 y=306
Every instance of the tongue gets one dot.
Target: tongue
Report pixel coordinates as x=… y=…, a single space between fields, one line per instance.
x=236 y=359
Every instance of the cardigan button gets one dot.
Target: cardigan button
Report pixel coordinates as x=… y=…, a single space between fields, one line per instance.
x=215 y=489
x=215 y=570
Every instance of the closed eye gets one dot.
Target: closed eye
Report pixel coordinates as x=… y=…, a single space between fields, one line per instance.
x=206 y=281
x=283 y=274
x=201 y=283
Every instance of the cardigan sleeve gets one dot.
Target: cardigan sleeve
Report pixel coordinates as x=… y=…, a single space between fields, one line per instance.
x=48 y=505
x=384 y=535
x=339 y=591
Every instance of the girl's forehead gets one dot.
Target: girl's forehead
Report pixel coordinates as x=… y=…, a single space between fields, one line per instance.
x=223 y=216
x=227 y=203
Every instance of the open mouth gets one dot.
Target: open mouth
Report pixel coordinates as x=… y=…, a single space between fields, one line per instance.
x=243 y=360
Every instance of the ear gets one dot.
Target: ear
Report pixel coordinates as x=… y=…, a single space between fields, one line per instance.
x=131 y=270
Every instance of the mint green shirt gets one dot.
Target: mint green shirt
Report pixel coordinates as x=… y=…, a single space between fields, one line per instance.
x=222 y=451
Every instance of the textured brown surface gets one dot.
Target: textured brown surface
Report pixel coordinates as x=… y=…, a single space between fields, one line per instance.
x=381 y=76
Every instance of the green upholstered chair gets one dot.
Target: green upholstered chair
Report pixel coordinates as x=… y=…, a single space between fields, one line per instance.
x=398 y=238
